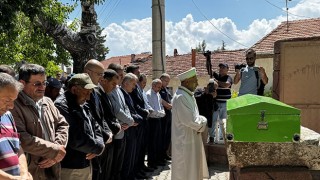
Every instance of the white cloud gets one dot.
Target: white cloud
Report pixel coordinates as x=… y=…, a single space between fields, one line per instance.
x=135 y=36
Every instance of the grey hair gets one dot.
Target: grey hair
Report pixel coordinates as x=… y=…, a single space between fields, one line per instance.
x=142 y=77
x=156 y=81
x=165 y=75
x=129 y=77
x=6 y=80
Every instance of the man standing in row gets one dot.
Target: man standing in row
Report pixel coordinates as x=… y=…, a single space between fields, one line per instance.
x=101 y=164
x=122 y=113
x=13 y=163
x=85 y=140
x=127 y=86
x=142 y=128
x=155 y=138
x=43 y=130
x=188 y=156
x=107 y=84
x=166 y=120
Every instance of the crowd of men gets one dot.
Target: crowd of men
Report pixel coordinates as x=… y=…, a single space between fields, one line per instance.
x=101 y=124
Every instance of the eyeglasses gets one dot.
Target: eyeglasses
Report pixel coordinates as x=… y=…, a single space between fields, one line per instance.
x=250 y=58
x=39 y=84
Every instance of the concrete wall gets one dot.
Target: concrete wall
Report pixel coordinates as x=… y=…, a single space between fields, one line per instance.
x=297 y=77
x=267 y=64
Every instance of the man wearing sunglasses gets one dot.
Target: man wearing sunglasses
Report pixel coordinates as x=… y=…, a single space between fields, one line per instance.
x=251 y=76
x=43 y=130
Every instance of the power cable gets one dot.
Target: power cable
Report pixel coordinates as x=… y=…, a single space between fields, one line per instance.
x=218 y=28
x=285 y=10
x=112 y=10
x=105 y=6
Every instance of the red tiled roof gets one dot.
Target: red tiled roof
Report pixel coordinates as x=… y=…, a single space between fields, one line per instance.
x=178 y=64
x=124 y=60
x=295 y=29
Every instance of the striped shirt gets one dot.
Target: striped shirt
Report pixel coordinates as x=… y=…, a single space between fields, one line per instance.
x=9 y=145
x=223 y=94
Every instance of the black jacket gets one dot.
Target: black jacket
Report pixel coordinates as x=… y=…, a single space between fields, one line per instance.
x=136 y=117
x=206 y=105
x=166 y=95
x=98 y=114
x=139 y=104
x=84 y=132
x=109 y=116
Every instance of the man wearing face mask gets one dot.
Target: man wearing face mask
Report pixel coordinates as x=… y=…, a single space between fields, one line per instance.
x=251 y=76
x=85 y=140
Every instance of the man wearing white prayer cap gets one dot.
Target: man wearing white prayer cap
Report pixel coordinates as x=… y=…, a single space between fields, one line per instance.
x=188 y=156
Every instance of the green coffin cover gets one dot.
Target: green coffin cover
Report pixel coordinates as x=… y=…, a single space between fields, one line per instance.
x=253 y=118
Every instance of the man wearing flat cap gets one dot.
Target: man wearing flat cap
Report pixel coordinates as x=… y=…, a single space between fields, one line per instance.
x=85 y=140
x=188 y=156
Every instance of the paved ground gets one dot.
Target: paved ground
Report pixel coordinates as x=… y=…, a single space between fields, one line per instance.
x=164 y=173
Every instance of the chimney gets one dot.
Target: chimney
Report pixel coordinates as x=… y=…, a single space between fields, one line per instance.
x=193 y=58
x=133 y=56
x=175 y=52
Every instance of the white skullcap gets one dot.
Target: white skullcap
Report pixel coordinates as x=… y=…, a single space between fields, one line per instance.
x=211 y=80
x=188 y=74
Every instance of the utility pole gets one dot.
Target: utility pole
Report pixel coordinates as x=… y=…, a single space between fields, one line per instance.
x=287 y=9
x=158 y=38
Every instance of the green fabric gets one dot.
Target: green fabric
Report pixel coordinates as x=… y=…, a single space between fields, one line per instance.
x=245 y=123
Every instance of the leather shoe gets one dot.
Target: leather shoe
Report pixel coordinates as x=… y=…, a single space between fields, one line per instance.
x=154 y=167
x=162 y=163
x=166 y=157
x=141 y=176
x=147 y=169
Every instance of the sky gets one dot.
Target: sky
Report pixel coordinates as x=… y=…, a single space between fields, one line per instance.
x=237 y=23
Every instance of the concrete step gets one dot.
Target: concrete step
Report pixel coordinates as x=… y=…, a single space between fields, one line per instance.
x=216 y=155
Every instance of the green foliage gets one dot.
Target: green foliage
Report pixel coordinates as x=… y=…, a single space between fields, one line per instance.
x=101 y=49
x=21 y=40
x=52 y=69
x=28 y=43
x=223 y=47
x=201 y=46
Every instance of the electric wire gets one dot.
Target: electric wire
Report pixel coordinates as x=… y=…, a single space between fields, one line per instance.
x=286 y=11
x=104 y=7
x=111 y=12
x=218 y=28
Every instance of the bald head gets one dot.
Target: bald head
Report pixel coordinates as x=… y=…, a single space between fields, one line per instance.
x=95 y=69
x=92 y=64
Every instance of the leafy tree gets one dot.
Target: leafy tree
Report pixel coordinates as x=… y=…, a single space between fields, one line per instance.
x=101 y=49
x=201 y=46
x=223 y=46
x=34 y=31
